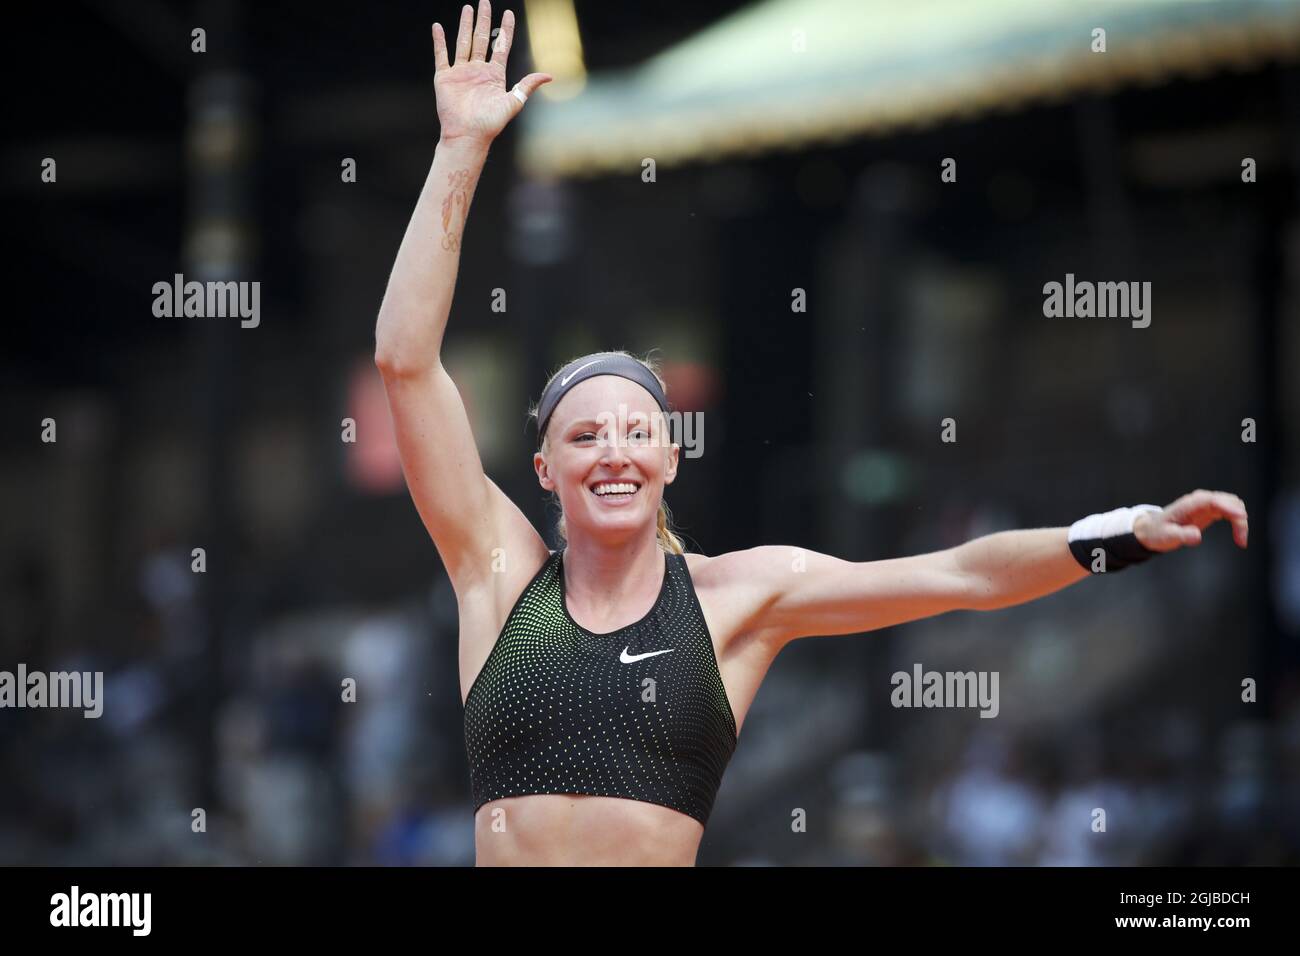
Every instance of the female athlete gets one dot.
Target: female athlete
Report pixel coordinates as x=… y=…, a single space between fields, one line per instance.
x=605 y=684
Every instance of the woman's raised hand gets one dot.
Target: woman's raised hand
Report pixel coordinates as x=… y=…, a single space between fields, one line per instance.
x=473 y=102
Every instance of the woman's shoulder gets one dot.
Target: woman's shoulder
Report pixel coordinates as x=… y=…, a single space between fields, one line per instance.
x=732 y=567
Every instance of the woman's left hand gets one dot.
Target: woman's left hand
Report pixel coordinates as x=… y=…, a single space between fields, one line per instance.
x=1180 y=524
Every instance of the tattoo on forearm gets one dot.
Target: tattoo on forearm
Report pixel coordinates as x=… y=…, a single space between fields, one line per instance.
x=456 y=201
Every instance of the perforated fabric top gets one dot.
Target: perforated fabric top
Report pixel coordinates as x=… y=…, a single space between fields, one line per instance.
x=639 y=713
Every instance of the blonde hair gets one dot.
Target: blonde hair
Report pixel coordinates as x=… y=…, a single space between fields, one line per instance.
x=664 y=534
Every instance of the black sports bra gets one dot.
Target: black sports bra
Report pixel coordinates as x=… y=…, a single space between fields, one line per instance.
x=639 y=713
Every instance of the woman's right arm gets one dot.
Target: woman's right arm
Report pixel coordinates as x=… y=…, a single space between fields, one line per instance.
x=465 y=513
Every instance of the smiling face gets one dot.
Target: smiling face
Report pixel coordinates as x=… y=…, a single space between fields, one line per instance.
x=605 y=461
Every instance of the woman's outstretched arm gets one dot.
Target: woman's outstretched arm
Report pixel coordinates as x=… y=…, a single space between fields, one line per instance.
x=465 y=513
x=793 y=593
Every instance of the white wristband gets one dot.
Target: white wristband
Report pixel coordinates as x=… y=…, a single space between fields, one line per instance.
x=1108 y=524
x=1106 y=542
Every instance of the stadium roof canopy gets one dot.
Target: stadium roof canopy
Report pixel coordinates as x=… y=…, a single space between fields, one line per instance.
x=782 y=74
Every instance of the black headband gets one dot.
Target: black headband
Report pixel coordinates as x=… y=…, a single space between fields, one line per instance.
x=581 y=369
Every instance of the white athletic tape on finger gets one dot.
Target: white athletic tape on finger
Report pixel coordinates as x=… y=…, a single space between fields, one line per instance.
x=518 y=94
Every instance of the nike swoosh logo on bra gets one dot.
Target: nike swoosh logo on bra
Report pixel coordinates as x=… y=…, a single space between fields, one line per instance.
x=565 y=381
x=627 y=658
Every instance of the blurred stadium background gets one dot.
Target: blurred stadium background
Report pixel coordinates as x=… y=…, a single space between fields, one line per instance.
x=798 y=145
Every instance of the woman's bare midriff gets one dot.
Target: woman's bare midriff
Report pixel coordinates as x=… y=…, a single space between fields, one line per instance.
x=571 y=829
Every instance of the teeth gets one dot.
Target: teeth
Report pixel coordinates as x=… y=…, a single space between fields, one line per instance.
x=615 y=488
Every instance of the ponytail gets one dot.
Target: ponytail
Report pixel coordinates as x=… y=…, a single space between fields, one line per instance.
x=664 y=532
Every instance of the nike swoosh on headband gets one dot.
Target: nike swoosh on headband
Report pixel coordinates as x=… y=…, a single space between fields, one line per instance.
x=565 y=381
x=627 y=658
